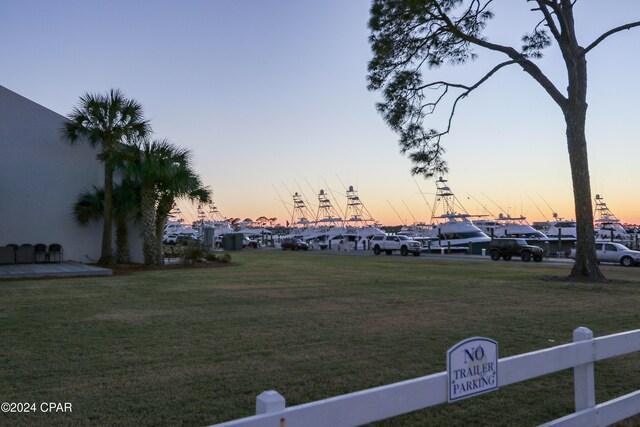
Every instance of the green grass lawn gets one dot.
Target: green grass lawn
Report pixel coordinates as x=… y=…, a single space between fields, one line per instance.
x=195 y=346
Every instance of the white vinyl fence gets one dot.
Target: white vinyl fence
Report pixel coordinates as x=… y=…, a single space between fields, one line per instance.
x=390 y=400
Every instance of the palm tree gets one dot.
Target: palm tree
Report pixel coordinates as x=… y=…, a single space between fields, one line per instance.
x=90 y=207
x=185 y=184
x=164 y=173
x=108 y=121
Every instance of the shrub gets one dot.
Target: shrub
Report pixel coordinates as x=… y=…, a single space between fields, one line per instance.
x=172 y=252
x=224 y=258
x=193 y=251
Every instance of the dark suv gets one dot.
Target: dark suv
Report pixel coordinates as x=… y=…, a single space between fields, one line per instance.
x=506 y=248
x=293 y=243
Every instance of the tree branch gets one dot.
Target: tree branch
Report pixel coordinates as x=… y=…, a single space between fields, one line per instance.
x=608 y=33
x=528 y=66
x=475 y=86
x=467 y=91
x=548 y=17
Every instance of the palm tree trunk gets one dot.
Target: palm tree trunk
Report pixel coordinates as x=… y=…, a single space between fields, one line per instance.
x=106 y=257
x=160 y=223
x=148 y=225
x=122 y=241
x=163 y=209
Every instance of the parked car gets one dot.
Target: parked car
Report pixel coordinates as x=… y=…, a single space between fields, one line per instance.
x=613 y=252
x=506 y=248
x=170 y=239
x=249 y=243
x=294 y=244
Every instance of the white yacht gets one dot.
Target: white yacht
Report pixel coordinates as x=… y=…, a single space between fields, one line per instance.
x=490 y=227
x=508 y=226
x=176 y=227
x=562 y=229
x=253 y=232
x=326 y=226
x=453 y=228
x=419 y=232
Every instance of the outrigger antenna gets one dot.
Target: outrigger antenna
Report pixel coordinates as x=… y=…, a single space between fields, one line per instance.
x=537 y=207
x=410 y=213
x=399 y=217
x=486 y=209
x=423 y=196
x=281 y=200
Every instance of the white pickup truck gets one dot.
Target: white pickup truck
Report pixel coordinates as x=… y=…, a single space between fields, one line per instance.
x=390 y=243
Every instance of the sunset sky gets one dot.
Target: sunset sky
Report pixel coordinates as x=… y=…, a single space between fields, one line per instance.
x=271 y=97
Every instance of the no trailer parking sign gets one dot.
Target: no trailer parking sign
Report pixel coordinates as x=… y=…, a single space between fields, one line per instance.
x=472 y=367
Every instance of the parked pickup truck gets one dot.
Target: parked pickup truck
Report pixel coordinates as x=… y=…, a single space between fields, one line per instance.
x=388 y=244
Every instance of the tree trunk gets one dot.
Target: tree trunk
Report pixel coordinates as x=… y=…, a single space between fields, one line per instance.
x=164 y=207
x=160 y=223
x=148 y=225
x=122 y=241
x=586 y=265
x=106 y=256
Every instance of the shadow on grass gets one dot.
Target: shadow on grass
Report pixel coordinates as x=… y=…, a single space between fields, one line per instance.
x=125 y=269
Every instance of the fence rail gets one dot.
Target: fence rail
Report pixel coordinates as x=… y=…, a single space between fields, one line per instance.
x=390 y=400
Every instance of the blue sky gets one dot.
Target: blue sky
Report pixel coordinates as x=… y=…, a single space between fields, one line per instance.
x=273 y=94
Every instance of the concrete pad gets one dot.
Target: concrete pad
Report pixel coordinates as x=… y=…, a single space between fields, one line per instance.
x=63 y=269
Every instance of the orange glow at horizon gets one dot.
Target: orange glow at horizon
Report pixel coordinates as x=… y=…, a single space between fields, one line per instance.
x=405 y=212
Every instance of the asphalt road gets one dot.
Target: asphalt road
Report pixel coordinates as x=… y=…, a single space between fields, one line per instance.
x=435 y=256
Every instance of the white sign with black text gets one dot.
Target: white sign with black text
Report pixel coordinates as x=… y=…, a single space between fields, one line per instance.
x=472 y=366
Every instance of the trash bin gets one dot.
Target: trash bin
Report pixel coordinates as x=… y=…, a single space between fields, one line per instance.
x=237 y=243
x=209 y=239
x=228 y=242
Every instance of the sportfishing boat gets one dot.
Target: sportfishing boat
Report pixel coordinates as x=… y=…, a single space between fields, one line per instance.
x=508 y=226
x=213 y=220
x=360 y=225
x=176 y=228
x=300 y=224
x=453 y=227
x=419 y=232
x=326 y=225
x=253 y=231
x=607 y=226
x=328 y=228
x=562 y=229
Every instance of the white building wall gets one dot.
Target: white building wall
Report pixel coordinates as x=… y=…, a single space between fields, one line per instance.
x=41 y=176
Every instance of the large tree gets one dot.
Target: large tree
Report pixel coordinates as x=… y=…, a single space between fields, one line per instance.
x=409 y=37
x=107 y=121
x=163 y=172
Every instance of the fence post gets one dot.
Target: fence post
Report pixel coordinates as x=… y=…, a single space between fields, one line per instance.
x=269 y=401
x=583 y=378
